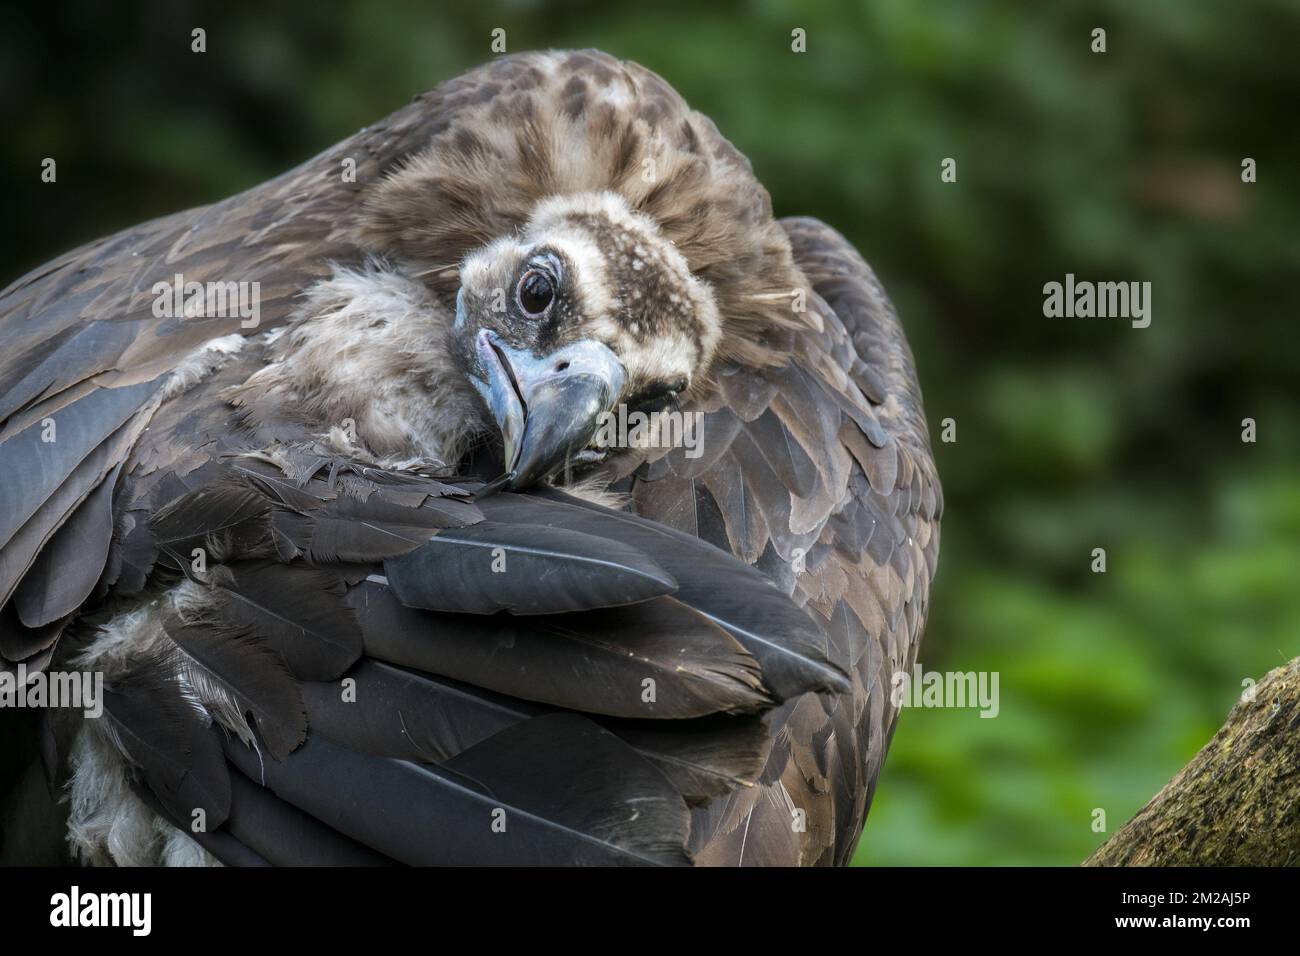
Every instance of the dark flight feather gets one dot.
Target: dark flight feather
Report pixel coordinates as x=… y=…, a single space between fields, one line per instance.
x=32 y=466
x=336 y=539
x=177 y=752
x=253 y=512
x=283 y=835
x=719 y=428
x=704 y=758
x=59 y=726
x=19 y=642
x=525 y=569
x=596 y=803
x=246 y=668
x=567 y=768
x=597 y=662
x=389 y=711
x=765 y=488
x=299 y=612
x=787 y=644
x=686 y=504
x=231 y=514
x=19 y=553
x=745 y=524
x=131 y=561
x=351 y=530
x=792 y=465
x=220 y=843
x=68 y=567
x=87 y=345
x=766 y=835
x=746 y=394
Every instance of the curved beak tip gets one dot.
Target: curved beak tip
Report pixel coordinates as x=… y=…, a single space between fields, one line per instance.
x=546 y=406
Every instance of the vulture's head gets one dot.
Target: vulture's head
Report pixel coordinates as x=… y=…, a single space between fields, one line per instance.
x=586 y=308
x=556 y=249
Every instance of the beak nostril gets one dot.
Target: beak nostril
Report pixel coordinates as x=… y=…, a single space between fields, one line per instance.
x=546 y=406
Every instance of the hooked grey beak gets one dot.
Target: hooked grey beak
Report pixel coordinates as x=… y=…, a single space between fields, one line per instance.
x=546 y=406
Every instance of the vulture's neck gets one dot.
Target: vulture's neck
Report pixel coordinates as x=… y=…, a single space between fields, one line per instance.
x=365 y=363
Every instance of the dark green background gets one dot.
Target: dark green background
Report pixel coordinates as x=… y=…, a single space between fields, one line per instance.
x=1072 y=433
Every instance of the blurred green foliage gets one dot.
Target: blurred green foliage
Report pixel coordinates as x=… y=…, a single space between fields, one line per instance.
x=1072 y=433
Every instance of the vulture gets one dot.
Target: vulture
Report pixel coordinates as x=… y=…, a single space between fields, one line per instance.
x=360 y=576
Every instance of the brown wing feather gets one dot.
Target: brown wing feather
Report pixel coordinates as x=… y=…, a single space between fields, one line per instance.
x=835 y=459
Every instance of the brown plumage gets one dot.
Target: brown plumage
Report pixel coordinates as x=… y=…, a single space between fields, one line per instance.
x=329 y=464
x=530 y=127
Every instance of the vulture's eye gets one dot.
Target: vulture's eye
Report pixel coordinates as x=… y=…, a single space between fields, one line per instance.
x=536 y=292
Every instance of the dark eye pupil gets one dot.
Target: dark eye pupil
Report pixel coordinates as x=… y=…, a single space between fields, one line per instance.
x=535 y=292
